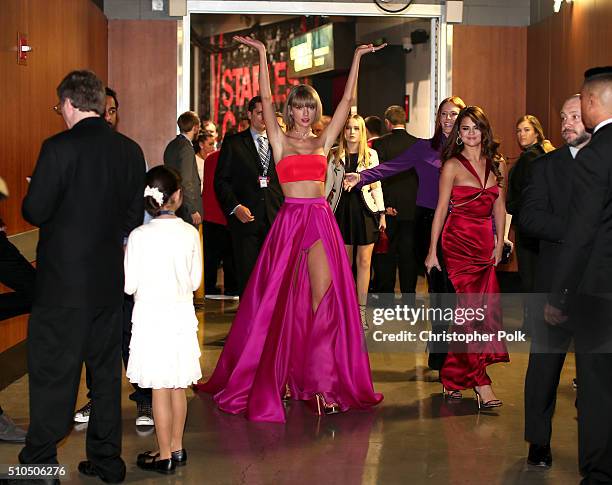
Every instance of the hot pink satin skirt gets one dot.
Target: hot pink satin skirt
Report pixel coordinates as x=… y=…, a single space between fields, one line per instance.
x=277 y=339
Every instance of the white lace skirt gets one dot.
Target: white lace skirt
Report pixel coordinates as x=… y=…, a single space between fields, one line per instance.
x=164 y=349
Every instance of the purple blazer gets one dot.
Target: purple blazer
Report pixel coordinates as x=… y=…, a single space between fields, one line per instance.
x=424 y=159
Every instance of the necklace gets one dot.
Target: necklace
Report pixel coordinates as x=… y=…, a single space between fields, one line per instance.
x=165 y=213
x=301 y=135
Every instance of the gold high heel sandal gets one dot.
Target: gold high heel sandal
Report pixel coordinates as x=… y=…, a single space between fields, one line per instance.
x=321 y=407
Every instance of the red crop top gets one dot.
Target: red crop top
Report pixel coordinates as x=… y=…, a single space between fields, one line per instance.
x=295 y=168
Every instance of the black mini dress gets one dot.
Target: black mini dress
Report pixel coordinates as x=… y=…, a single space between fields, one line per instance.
x=357 y=224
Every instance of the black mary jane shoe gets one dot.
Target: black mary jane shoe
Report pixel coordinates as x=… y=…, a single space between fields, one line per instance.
x=151 y=462
x=179 y=457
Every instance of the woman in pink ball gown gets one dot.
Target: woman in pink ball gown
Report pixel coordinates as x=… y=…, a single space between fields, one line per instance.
x=297 y=333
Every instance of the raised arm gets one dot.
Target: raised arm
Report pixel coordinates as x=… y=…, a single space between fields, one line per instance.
x=447 y=178
x=342 y=110
x=275 y=134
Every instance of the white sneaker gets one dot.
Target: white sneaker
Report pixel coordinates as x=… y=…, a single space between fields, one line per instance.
x=145 y=415
x=82 y=415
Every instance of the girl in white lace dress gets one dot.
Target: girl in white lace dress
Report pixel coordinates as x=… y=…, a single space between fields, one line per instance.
x=163 y=267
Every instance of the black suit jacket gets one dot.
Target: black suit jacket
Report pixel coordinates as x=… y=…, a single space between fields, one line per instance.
x=180 y=155
x=586 y=258
x=236 y=181
x=86 y=194
x=543 y=215
x=399 y=191
x=519 y=177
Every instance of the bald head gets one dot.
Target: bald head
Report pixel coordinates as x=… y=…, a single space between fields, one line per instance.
x=596 y=99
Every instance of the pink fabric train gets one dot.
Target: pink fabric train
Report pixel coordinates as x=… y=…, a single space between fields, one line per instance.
x=277 y=340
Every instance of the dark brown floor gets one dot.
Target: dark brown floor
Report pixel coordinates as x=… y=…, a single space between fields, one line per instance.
x=414 y=436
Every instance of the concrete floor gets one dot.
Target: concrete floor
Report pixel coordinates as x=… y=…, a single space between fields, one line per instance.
x=413 y=437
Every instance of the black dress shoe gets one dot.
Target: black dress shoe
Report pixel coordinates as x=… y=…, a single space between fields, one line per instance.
x=540 y=455
x=151 y=462
x=179 y=457
x=88 y=468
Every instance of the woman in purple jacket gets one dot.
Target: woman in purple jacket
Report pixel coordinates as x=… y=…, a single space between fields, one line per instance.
x=424 y=157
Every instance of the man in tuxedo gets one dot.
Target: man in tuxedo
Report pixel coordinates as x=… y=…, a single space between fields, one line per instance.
x=142 y=396
x=545 y=203
x=400 y=193
x=180 y=155
x=248 y=190
x=86 y=193
x=582 y=286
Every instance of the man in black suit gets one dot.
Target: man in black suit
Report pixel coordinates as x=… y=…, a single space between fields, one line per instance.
x=582 y=285
x=545 y=203
x=248 y=190
x=86 y=193
x=142 y=396
x=400 y=193
x=180 y=155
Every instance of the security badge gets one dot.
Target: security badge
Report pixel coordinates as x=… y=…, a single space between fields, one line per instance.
x=263 y=181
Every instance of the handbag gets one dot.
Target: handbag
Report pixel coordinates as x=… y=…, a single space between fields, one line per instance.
x=382 y=245
x=506 y=253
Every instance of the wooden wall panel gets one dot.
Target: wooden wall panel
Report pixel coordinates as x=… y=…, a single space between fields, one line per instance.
x=538 y=74
x=142 y=59
x=489 y=70
x=568 y=43
x=64 y=35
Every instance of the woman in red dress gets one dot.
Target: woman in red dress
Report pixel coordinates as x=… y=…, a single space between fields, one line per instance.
x=470 y=212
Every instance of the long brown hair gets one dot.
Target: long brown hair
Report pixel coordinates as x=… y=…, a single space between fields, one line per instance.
x=436 y=139
x=535 y=124
x=489 y=145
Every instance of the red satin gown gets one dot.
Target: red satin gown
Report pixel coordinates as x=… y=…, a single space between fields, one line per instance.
x=467 y=246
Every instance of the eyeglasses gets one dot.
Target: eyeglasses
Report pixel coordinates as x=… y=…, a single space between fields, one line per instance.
x=57 y=109
x=449 y=114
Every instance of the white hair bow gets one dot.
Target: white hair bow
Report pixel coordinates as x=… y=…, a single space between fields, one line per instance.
x=155 y=193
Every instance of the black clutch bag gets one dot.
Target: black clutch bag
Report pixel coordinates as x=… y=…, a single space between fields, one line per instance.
x=506 y=253
x=438 y=281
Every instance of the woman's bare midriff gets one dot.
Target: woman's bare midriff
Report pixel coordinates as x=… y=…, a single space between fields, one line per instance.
x=304 y=189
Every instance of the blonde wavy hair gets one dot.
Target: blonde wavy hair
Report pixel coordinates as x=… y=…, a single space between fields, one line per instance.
x=363 y=151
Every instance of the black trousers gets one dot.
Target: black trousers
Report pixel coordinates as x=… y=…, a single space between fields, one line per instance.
x=548 y=349
x=593 y=341
x=59 y=341
x=401 y=256
x=423 y=221
x=527 y=259
x=217 y=249
x=594 y=374
x=18 y=275
x=246 y=245
x=140 y=395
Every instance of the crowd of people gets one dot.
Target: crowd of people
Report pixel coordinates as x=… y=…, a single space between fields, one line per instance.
x=287 y=207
